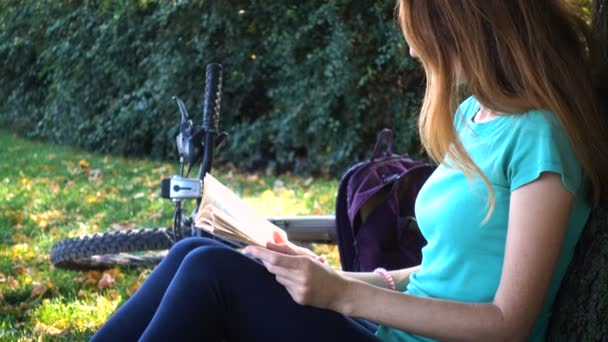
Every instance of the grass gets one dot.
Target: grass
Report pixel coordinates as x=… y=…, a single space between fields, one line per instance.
x=49 y=193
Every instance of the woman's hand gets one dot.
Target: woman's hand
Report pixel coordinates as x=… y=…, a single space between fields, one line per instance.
x=282 y=245
x=308 y=281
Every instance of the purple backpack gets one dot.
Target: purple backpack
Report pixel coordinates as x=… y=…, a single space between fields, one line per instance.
x=375 y=222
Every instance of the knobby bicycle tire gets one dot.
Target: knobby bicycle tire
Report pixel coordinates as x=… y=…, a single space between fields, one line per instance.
x=107 y=250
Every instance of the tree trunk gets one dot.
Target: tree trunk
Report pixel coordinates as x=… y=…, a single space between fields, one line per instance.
x=580 y=312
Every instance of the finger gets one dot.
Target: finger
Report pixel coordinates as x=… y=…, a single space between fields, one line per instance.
x=291 y=287
x=306 y=251
x=272 y=257
x=281 y=271
x=281 y=248
x=278 y=238
x=246 y=250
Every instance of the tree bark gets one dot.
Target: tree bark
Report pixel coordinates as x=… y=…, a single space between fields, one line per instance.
x=580 y=312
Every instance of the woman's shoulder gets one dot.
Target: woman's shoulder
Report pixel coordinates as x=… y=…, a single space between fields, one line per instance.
x=538 y=121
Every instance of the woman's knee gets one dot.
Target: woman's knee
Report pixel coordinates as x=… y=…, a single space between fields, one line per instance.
x=220 y=262
x=187 y=245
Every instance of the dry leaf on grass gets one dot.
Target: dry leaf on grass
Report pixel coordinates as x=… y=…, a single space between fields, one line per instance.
x=133 y=288
x=19 y=269
x=12 y=283
x=113 y=294
x=42 y=328
x=19 y=238
x=308 y=181
x=116 y=273
x=93 y=174
x=106 y=281
x=89 y=278
x=122 y=225
x=38 y=290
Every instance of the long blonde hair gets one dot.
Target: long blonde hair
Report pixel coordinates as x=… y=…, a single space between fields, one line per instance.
x=515 y=55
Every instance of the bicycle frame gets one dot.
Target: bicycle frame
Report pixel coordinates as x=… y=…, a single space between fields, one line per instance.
x=200 y=143
x=195 y=144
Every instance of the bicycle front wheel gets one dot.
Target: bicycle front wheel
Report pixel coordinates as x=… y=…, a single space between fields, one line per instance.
x=130 y=248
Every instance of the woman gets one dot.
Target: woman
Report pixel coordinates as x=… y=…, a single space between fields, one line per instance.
x=520 y=168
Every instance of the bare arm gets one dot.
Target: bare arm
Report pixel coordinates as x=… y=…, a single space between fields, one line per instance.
x=401 y=277
x=537 y=223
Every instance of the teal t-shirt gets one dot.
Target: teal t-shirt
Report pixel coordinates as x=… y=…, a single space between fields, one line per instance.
x=463 y=258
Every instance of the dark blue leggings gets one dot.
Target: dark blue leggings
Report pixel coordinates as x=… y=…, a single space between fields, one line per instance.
x=205 y=291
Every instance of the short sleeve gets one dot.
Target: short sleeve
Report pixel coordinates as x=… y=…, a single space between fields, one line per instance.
x=541 y=145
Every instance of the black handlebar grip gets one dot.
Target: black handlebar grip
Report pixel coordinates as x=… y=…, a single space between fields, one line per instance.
x=213 y=94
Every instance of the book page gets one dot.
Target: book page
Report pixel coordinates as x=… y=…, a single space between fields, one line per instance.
x=223 y=213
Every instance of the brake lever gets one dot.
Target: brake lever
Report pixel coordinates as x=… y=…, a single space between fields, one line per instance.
x=182 y=109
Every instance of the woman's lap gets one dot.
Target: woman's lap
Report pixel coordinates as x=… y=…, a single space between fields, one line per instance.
x=219 y=293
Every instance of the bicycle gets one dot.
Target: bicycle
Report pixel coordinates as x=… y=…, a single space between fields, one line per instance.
x=195 y=143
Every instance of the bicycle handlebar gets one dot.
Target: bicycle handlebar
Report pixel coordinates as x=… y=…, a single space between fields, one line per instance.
x=211 y=114
x=213 y=94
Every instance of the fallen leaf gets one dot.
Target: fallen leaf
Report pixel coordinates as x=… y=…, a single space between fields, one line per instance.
x=55 y=188
x=83 y=164
x=94 y=174
x=12 y=283
x=155 y=215
x=43 y=224
x=89 y=278
x=122 y=225
x=38 y=290
x=113 y=294
x=92 y=199
x=25 y=181
x=51 y=286
x=308 y=181
x=106 y=281
x=42 y=328
x=116 y=273
x=19 y=269
x=278 y=185
x=133 y=288
x=19 y=238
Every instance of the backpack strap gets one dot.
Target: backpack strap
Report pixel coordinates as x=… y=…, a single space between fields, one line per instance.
x=344 y=231
x=385 y=136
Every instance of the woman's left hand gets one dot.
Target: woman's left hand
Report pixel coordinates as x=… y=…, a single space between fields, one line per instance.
x=308 y=281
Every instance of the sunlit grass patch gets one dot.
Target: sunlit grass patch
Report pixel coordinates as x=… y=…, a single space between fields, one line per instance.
x=49 y=193
x=59 y=315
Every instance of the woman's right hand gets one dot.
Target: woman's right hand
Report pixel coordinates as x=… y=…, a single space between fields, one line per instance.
x=287 y=247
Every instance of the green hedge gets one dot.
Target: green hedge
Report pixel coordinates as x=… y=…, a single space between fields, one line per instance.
x=307 y=84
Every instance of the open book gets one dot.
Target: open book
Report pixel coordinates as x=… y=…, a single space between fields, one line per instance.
x=224 y=214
